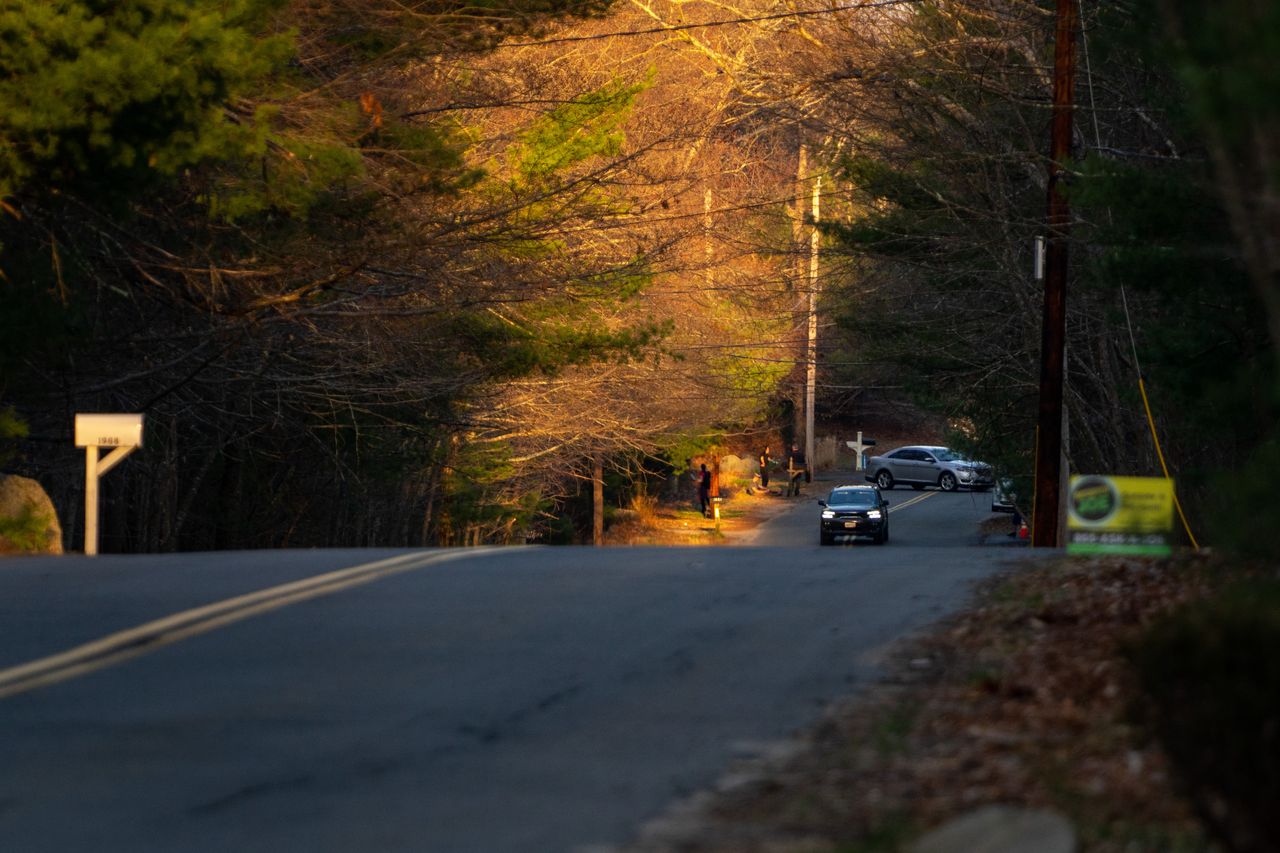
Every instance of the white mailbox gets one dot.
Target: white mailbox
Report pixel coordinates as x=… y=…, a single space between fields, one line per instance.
x=123 y=434
x=109 y=430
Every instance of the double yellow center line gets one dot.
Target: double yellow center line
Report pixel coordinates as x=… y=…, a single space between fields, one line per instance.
x=133 y=642
x=913 y=501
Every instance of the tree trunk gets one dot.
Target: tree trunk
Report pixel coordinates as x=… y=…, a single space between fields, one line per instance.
x=597 y=502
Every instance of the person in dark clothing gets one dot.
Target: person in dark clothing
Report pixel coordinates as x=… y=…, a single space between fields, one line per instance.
x=796 y=468
x=704 y=489
x=764 y=467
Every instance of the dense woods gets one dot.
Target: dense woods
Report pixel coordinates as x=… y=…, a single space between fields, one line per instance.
x=413 y=273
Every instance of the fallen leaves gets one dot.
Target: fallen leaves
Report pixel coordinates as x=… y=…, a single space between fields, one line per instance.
x=1022 y=700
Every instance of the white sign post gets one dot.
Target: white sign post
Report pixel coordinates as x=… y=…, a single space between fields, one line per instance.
x=859 y=447
x=122 y=433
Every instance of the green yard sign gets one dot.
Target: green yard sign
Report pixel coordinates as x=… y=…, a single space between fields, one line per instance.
x=1120 y=515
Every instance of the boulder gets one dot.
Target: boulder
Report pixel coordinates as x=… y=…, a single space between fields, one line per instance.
x=1001 y=829
x=28 y=521
x=736 y=466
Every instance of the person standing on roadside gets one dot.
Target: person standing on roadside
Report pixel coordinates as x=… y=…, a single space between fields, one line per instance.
x=704 y=489
x=796 y=468
x=764 y=467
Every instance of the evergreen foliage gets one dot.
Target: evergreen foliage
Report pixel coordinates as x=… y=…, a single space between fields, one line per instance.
x=242 y=218
x=949 y=189
x=952 y=187
x=90 y=89
x=588 y=127
x=1210 y=696
x=1164 y=229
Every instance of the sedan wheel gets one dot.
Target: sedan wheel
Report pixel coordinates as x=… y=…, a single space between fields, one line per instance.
x=884 y=480
x=947 y=482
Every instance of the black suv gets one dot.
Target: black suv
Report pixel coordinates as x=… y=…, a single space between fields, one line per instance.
x=854 y=511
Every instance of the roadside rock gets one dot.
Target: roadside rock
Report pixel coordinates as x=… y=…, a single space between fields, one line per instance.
x=28 y=520
x=1001 y=829
x=736 y=466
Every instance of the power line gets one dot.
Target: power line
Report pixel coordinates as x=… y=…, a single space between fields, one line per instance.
x=803 y=13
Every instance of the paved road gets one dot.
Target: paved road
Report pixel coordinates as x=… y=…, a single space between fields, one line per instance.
x=515 y=700
x=917 y=518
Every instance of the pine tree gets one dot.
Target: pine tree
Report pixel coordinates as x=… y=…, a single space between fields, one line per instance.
x=91 y=88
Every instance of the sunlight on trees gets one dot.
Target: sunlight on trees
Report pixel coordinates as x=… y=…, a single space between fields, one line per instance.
x=386 y=273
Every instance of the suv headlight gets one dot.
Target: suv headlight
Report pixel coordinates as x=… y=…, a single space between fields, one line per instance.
x=826 y=513
x=875 y=513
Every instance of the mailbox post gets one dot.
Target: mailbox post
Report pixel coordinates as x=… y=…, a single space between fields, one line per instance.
x=122 y=433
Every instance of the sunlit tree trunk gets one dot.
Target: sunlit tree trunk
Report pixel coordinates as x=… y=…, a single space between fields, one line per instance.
x=597 y=501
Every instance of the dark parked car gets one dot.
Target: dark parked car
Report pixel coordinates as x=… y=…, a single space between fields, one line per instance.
x=854 y=511
x=921 y=465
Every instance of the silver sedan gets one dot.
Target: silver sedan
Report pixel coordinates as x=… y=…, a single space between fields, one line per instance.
x=921 y=465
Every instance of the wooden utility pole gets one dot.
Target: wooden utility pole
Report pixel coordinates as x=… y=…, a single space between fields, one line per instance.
x=811 y=352
x=1053 y=335
x=797 y=243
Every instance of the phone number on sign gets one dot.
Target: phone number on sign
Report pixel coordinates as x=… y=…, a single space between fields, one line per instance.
x=1082 y=538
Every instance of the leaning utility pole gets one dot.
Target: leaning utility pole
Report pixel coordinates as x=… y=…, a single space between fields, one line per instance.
x=1053 y=335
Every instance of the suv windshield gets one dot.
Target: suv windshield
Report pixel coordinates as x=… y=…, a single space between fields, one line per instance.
x=852 y=497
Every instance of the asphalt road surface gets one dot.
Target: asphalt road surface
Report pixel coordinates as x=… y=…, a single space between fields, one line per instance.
x=504 y=700
x=917 y=518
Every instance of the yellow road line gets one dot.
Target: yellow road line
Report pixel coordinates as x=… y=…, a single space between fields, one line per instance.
x=913 y=501
x=142 y=639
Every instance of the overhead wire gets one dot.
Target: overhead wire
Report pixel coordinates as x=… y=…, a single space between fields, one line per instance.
x=799 y=13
